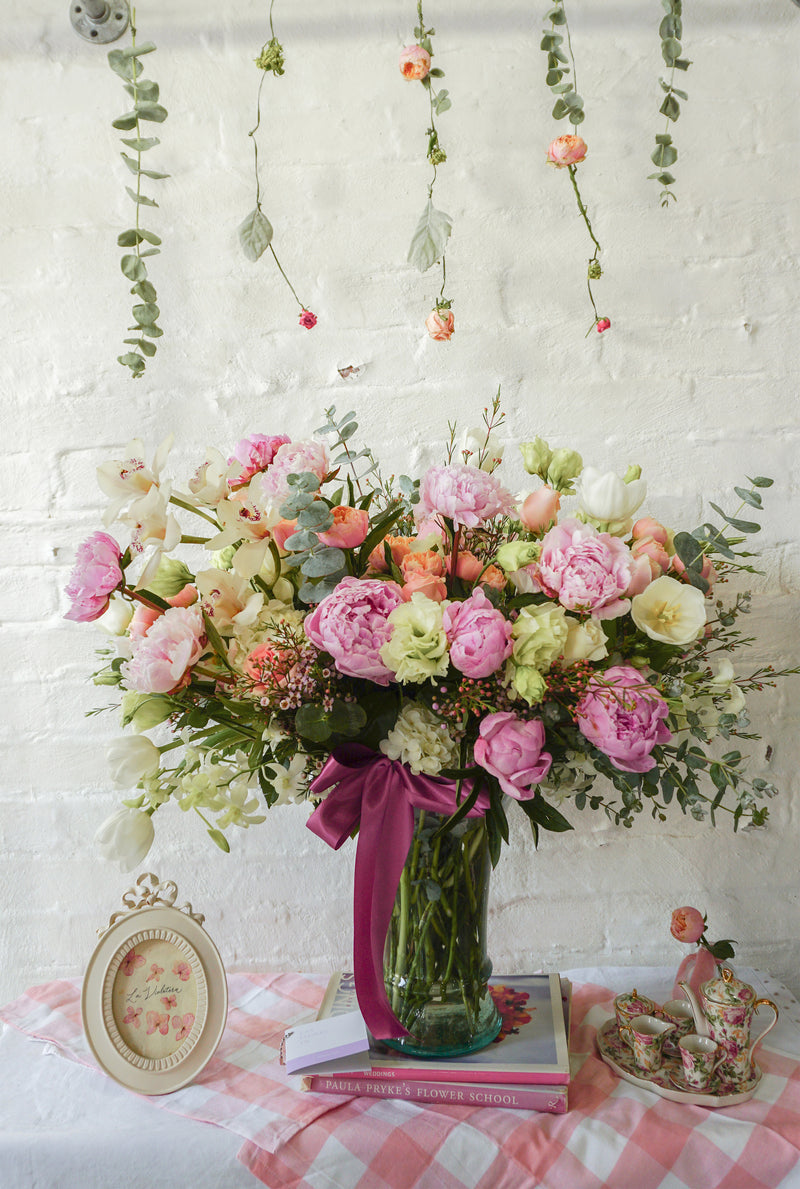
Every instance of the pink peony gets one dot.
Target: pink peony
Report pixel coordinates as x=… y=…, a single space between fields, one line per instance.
x=293 y=458
x=585 y=570
x=423 y=582
x=539 y=511
x=95 y=576
x=464 y=494
x=352 y=625
x=440 y=325
x=349 y=529
x=623 y=716
x=603 y=324
x=415 y=62
x=255 y=454
x=510 y=748
x=307 y=319
x=566 y=150
x=687 y=925
x=478 y=634
x=162 y=658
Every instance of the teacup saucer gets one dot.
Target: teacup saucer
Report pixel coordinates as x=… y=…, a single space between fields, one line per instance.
x=678 y=1080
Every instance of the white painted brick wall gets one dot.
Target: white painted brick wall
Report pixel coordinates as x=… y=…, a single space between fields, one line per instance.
x=697 y=380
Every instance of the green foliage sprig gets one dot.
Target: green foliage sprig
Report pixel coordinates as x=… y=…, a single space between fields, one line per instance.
x=568 y=101
x=433 y=230
x=665 y=154
x=144 y=93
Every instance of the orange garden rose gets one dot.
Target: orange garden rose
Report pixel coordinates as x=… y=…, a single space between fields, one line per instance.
x=565 y=151
x=415 y=62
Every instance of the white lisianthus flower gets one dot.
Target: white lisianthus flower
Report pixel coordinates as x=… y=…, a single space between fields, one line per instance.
x=607 y=497
x=126 y=837
x=585 y=641
x=420 y=739
x=475 y=442
x=290 y=783
x=417 y=647
x=539 y=635
x=670 y=611
x=131 y=758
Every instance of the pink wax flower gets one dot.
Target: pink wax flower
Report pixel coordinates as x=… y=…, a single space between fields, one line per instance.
x=255 y=454
x=687 y=924
x=585 y=570
x=464 y=494
x=349 y=529
x=308 y=319
x=94 y=578
x=510 y=748
x=415 y=62
x=566 y=150
x=623 y=716
x=162 y=659
x=602 y=324
x=422 y=582
x=441 y=325
x=293 y=458
x=539 y=511
x=352 y=625
x=478 y=634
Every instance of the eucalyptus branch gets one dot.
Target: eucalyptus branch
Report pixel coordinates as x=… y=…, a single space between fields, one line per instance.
x=144 y=93
x=665 y=153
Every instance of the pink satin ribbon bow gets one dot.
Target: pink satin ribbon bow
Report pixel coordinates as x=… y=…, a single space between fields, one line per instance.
x=379 y=796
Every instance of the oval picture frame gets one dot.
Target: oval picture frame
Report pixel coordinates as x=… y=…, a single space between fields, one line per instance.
x=155 y=1000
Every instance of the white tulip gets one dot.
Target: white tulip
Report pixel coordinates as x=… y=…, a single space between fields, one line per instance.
x=670 y=611
x=130 y=758
x=607 y=497
x=126 y=837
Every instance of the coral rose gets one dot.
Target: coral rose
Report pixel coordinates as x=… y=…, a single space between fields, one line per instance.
x=415 y=62
x=440 y=325
x=566 y=150
x=349 y=529
x=687 y=925
x=539 y=510
x=428 y=584
x=511 y=749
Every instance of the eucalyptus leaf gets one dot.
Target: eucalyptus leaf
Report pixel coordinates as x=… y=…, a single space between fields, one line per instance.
x=557 y=16
x=126 y=122
x=316 y=515
x=123 y=65
x=742 y=526
x=347 y=718
x=146 y=314
x=664 y=155
x=441 y=103
x=151 y=111
x=301 y=541
x=129 y=238
x=750 y=497
x=576 y=117
x=151 y=330
x=140 y=199
x=554 y=78
x=150 y=252
x=133 y=267
x=150 y=236
x=670 y=49
x=255 y=234
x=132 y=165
x=311 y=722
x=664 y=138
x=147 y=47
x=152 y=173
x=135 y=362
x=560 y=109
x=140 y=144
x=761 y=481
x=670 y=108
x=323 y=563
x=143 y=345
x=430 y=238
x=144 y=290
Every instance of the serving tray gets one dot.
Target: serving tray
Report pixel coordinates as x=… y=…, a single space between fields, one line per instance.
x=668 y=1080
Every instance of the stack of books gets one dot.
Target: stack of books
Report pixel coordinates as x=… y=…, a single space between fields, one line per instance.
x=526 y=1067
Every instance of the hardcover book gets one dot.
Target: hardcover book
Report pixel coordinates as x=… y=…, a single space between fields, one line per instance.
x=527 y=1065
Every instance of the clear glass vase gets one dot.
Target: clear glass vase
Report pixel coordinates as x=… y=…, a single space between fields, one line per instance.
x=436 y=969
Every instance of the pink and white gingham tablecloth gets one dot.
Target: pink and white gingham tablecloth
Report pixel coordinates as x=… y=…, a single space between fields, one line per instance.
x=614 y=1136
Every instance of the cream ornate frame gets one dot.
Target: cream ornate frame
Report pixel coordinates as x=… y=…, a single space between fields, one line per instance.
x=171 y=1051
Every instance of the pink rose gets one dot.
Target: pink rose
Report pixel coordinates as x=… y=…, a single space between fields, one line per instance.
x=352 y=625
x=647 y=527
x=281 y=531
x=308 y=319
x=440 y=325
x=293 y=458
x=424 y=583
x=623 y=716
x=566 y=150
x=95 y=576
x=349 y=529
x=478 y=634
x=255 y=454
x=687 y=925
x=603 y=324
x=654 y=551
x=415 y=62
x=510 y=748
x=585 y=570
x=708 y=572
x=162 y=659
x=539 y=512
x=464 y=494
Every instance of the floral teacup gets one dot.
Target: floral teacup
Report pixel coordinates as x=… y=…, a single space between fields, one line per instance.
x=646 y=1036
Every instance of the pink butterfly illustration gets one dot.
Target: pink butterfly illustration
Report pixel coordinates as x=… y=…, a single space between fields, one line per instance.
x=169 y=1001
x=155 y=973
x=157 y=1022
x=182 y=1026
x=130 y=962
x=132 y=1016
x=183 y=971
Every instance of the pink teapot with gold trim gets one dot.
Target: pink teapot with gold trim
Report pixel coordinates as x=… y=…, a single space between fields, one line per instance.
x=725 y=1013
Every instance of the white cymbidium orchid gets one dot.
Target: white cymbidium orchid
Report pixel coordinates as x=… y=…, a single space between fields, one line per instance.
x=155 y=530
x=127 y=479
x=209 y=484
x=244 y=520
x=228 y=599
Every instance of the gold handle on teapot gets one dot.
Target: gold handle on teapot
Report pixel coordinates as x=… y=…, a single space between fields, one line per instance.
x=756 y=1004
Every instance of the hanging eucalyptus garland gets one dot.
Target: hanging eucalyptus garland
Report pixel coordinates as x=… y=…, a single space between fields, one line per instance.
x=665 y=153
x=144 y=94
x=432 y=232
x=255 y=232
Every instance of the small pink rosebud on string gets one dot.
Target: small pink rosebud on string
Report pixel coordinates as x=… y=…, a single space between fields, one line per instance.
x=602 y=324
x=566 y=150
x=308 y=319
x=415 y=62
x=687 y=925
x=440 y=325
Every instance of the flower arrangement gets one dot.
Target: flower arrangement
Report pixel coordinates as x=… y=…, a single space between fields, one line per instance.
x=342 y=629
x=689 y=925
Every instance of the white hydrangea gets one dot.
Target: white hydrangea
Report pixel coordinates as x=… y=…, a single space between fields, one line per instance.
x=420 y=739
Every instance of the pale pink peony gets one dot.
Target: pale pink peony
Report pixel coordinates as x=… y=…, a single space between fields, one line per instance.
x=623 y=716
x=585 y=570
x=349 y=529
x=539 y=511
x=566 y=150
x=510 y=748
x=422 y=582
x=293 y=458
x=415 y=62
x=464 y=494
x=478 y=634
x=255 y=454
x=352 y=625
x=162 y=659
x=144 y=616
x=94 y=578
x=687 y=925
x=441 y=325
x=307 y=319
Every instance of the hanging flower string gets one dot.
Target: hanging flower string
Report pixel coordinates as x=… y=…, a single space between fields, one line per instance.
x=665 y=153
x=566 y=152
x=433 y=229
x=255 y=232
